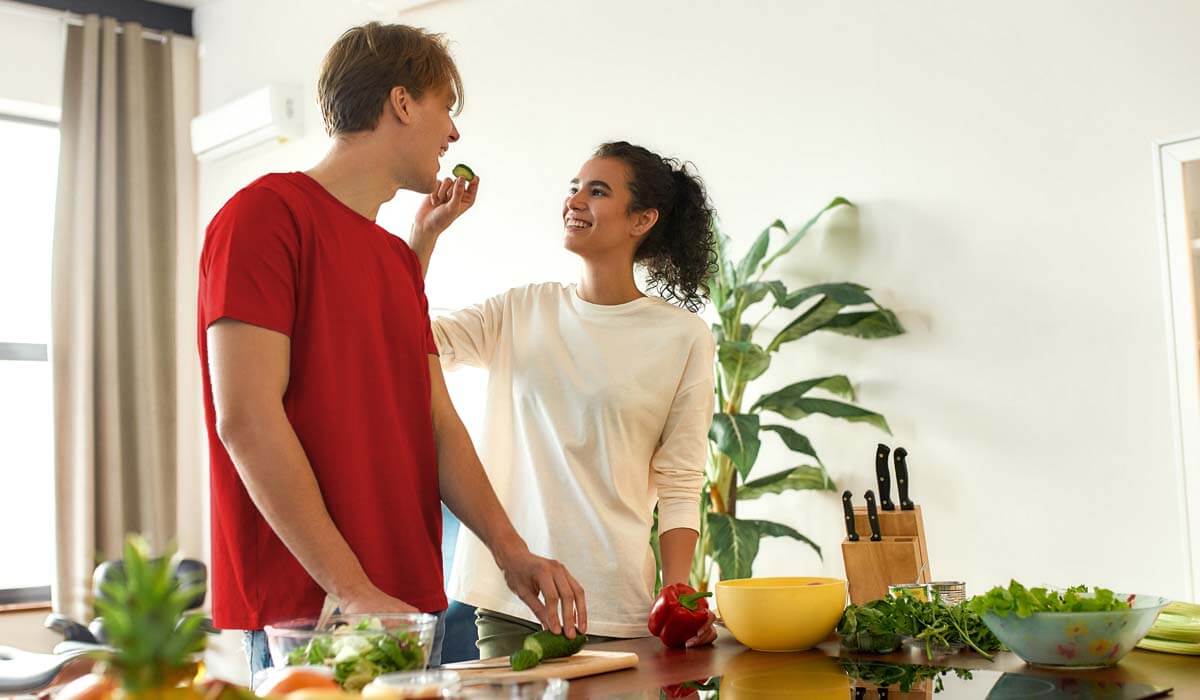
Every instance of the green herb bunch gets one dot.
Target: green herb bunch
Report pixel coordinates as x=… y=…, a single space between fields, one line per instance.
x=872 y=627
x=879 y=626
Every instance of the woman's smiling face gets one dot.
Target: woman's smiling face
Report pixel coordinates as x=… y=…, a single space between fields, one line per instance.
x=596 y=216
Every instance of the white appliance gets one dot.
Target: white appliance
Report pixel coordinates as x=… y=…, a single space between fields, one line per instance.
x=269 y=114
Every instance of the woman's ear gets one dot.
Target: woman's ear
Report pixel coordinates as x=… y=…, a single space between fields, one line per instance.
x=644 y=221
x=400 y=102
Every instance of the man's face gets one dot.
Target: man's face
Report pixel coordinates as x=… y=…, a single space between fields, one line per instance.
x=433 y=132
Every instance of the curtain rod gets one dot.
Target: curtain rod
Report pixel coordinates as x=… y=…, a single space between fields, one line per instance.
x=66 y=18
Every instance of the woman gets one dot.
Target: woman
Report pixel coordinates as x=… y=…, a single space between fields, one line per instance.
x=599 y=397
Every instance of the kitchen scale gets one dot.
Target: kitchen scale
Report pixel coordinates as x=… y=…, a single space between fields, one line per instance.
x=884 y=681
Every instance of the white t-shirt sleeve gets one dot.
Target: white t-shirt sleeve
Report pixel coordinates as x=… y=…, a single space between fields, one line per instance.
x=469 y=336
x=677 y=468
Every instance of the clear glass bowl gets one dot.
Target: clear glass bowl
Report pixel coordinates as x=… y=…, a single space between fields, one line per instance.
x=1078 y=640
x=552 y=689
x=413 y=684
x=407 y=639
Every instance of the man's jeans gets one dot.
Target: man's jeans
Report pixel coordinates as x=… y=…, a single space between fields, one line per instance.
x=259 y=656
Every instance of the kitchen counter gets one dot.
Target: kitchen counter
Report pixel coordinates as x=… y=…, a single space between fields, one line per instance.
x=659 y=666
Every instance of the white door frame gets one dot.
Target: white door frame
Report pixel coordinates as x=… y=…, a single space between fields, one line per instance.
x=1183 y=354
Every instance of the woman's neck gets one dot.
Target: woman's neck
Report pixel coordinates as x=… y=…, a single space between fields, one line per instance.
x=608 y=283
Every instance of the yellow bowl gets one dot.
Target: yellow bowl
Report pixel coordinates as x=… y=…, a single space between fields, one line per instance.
x=781 y=614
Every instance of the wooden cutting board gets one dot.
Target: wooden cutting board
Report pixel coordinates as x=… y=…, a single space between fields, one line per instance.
x=586 y=663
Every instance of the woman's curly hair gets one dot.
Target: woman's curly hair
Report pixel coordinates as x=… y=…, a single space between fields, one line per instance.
x=680 y=251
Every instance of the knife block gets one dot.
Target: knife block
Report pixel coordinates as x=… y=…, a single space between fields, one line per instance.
x=900 y=557
x=920 y=691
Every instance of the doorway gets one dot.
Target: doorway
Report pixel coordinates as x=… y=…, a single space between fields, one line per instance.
x=1177 y=170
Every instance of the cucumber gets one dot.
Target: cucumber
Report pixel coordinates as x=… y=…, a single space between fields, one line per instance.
x=548 y=645
x=524 y=659
x=464 y=172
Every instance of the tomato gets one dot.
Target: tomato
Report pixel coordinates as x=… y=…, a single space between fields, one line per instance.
x=292 y=678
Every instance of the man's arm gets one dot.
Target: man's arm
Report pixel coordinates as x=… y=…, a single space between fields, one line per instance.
x=248 y=366
x=469 y=495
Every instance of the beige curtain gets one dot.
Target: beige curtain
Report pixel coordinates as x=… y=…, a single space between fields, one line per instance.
x=123 y=235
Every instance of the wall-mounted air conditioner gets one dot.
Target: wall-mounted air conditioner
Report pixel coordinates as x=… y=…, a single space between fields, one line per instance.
x=269 y=114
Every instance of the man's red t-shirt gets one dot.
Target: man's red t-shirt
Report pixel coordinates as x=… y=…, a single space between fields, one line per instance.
x=286 y=255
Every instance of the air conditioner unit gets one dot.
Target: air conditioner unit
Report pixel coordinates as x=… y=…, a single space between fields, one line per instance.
x=269 y=114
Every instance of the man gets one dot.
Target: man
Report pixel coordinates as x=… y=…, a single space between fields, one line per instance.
x=332 y=435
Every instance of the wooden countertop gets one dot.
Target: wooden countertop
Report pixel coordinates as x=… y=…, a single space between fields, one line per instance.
x=660 y=667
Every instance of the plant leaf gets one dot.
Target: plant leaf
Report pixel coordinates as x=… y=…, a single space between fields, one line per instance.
x=768 y=528
x=734 y=545
x=794 y=441
x=749 y=264
x=802 y=407
x=742 y=361
x=751 y=293
x=795 y=237
x=735 y=542
x=866 y=324
x=778 y=401
x=807 y=322
x=737 y=436
x=802 y=478
x=725 y=266
x=844 y=293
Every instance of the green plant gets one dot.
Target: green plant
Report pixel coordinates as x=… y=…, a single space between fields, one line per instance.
x=737 y=287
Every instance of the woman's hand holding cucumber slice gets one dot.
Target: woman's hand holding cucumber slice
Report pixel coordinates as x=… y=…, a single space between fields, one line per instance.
x=450 y=199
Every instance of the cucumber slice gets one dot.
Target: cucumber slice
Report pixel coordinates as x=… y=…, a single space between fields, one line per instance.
x=464 y=172
x=524 y=659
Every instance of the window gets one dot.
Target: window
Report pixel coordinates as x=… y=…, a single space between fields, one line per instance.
x=28 y=181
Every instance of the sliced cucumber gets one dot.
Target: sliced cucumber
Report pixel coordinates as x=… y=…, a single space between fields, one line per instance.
x=464 y=172
x=524 y=659
x=548 y=645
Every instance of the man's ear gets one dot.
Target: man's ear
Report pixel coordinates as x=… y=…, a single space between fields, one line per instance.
x=400 y=102
x=644 y=221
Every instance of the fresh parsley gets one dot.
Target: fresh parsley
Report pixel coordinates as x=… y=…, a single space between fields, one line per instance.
x=879 y=626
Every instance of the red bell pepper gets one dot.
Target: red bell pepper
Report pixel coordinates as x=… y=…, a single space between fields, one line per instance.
x=678 y=614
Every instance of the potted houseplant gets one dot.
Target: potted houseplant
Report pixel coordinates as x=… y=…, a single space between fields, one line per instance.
x=743 y=299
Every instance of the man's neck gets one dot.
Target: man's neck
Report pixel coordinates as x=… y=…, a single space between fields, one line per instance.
x=352 y=172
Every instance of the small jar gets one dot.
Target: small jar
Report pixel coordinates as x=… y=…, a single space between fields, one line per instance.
x=952 y=592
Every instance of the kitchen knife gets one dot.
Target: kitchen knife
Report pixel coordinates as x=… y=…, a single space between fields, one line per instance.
x=873 y=516
x=901 y=456
x=884 y=477
x=848 y=509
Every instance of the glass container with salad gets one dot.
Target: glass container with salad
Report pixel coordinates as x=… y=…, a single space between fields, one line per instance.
x=356 y=647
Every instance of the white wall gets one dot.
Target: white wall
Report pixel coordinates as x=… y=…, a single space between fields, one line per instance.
x=1000 y=158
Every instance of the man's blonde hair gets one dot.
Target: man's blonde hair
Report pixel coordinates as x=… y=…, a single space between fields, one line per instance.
x=367 y=61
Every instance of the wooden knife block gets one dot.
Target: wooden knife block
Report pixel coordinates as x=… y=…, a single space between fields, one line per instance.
x=921 y=691
x=900 y=557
